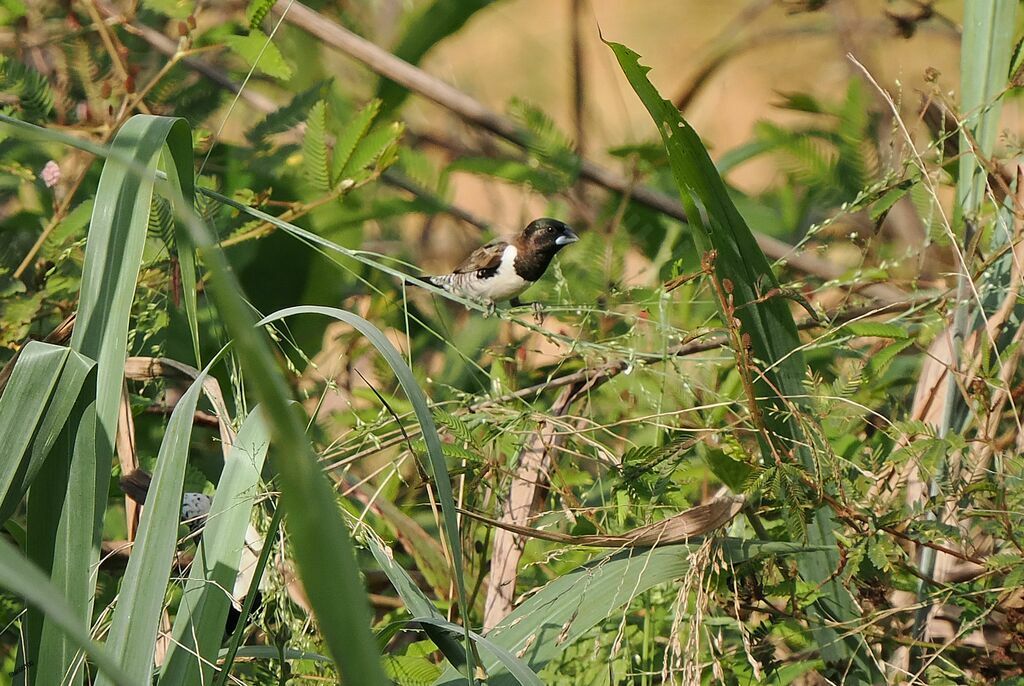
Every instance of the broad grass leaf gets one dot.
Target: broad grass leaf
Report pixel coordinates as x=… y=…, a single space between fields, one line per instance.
x=136 y=621
x=203 y=610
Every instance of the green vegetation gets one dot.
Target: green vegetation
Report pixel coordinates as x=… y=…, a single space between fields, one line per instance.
x=761 y=435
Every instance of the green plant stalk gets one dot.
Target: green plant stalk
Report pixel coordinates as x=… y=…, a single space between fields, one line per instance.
x=768 y=329
x=199 y=625
x=136 y=620
x=322 y=546
x=25 y=579
x=228 y=657
x=984 y=64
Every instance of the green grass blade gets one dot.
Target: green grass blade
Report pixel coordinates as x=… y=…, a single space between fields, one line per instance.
x=23 y=404
x=579 y=600
x=180 y=174
x=71 y=507
x=20 y=576
x=199 y=625
x=716 y=224
x=235 y=646
x=60 y=539
x=438 y=466
x=550 y=620
x=74 y=379
x=513 y=666
x=321 y=543
x=984 y=65
x=136 y=622
x=416 y=602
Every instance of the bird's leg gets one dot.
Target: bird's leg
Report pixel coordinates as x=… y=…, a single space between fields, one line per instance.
x=538 y=312
x=489 y=304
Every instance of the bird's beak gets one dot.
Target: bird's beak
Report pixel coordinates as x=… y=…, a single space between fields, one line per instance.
x=567 y=237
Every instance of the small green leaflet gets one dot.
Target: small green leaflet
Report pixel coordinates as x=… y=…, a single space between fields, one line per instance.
x=257 y=50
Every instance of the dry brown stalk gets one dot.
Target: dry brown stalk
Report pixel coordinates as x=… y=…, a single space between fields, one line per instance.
x=128 y=458
x=529 y=479
x=679 y=528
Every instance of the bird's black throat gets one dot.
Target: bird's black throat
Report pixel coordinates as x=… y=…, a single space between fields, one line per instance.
x=531 y=264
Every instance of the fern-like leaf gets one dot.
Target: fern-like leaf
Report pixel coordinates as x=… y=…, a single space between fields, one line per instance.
x=455 y=425
x=35 y=97
x=314 y=148
x=375 y=152
x=546 y=141
x=349 y=138
x=256 y=11
x=288 y=116
x=161 y=221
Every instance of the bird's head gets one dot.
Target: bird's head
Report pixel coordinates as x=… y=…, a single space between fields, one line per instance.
x=547 y=236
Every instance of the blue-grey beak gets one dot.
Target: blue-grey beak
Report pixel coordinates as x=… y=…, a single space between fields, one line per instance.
x=567 y=237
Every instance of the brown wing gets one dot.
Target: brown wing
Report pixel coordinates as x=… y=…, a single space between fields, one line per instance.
x=484 y=257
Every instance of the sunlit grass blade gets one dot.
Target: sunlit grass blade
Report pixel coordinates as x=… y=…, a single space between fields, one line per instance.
x=134 y=628
x=438 y=466
x=767 y=324
x=320 y=540
x=20 y=576
x=203 y=610
x=69 y=550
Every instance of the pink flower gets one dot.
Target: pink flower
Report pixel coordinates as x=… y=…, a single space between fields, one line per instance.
x=51 y=174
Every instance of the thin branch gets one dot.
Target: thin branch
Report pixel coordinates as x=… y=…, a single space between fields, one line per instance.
x=471 y=110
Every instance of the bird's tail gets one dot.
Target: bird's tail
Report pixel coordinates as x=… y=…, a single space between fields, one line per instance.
x=438 y=281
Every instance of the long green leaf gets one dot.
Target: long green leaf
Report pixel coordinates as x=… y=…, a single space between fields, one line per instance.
x=322 y=546
x=133 y=631
x=519 y=671
x=23 y=404
x=75 y=378
x=117 y=233
x=199 y=625
x=716 y=224
x=323 y=549
x=416 y=601
x=558 y=614
x=438 y=466
x=20 y=576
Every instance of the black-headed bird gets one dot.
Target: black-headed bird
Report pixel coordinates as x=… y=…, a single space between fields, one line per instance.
x=503 y=269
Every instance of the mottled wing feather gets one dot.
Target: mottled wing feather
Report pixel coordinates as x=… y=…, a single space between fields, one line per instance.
x=484 y=257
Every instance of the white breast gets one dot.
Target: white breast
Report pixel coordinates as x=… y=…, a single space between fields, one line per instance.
x=504 y=284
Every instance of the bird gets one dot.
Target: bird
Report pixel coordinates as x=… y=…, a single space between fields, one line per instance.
x=502 y=269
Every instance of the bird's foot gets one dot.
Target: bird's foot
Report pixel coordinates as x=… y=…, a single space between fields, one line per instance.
x=489 y=308
x=538 y=313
